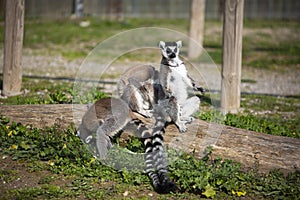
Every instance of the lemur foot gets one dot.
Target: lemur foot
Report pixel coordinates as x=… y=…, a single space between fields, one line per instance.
x=181 y=126
x=187 y=119
x=202 y=90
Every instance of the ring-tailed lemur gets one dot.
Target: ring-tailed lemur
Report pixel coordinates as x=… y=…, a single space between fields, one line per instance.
x=176 y=82
x=140 y=87
x=103 y=120
x=108 y=116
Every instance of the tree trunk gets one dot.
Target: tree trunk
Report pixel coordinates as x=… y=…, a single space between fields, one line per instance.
x=232 y=55
x=197 y=16
x=253 y=150
x=14 y=27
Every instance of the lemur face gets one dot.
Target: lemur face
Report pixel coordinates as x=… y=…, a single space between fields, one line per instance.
x=170 y=50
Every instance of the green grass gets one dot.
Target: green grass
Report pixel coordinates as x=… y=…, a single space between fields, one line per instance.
x=66 y=31
x=67 y=38
x=61 y=154
x=271 y=24
x=248 y=81
x=263 y=54
x=277 y=104
x=43 y=91
x=266 y=47
x=272 y=124
x=275 y=115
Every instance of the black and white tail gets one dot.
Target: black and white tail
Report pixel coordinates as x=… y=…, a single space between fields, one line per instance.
x=155 y=157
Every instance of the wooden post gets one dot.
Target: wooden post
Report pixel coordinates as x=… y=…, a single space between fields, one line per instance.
x=232 y=55
x=79 y=8
x=197 y=16
x=14 y=26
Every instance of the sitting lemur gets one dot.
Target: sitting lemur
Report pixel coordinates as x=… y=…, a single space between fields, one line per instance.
x=142 y=86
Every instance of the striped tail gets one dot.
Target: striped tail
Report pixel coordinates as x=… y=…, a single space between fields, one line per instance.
x=155 y=157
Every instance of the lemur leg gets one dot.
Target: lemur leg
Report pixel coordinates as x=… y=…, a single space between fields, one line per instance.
x=189 y=108
x=179 y=120
x=173 y=111
x=108 y=129
x=103 y=143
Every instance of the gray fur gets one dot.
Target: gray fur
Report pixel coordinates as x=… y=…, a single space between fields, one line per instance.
x=176 y=82
x=104 y=119
x=136 y=88
x=142 y=90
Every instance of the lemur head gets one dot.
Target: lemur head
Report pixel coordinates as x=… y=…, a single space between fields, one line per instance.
x=170 y=50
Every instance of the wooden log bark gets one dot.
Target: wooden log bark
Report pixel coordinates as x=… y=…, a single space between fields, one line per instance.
x=13 y=45
x=253 y=150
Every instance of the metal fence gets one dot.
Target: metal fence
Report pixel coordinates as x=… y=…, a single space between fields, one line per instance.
x=254 y=9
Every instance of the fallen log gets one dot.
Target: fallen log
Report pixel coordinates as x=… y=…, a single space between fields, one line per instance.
x=253 y=150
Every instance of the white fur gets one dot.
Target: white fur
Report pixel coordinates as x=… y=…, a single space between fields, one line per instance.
x=176 y=82
x=181 y=83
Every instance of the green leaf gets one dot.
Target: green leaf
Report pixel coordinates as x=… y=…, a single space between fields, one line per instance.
x=24 y=145
x=220 y=181
x=209 y=191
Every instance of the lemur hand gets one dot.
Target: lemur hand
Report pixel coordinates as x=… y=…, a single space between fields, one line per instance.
x=196 y=87
x=201 y=89
x=169 y=93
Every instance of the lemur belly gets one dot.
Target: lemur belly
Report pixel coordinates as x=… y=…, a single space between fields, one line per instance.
x=178 y=83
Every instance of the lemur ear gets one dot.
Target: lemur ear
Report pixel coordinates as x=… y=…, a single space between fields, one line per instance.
x=162 y=44
x=179 y=44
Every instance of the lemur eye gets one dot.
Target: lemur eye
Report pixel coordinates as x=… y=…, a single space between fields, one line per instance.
x=169 y=50
x=175 y=50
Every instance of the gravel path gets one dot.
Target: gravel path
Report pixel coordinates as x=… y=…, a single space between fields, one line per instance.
x=259 y=81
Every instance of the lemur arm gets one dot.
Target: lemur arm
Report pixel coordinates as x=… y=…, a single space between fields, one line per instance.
x=190 y=81
x=163 y=79
x=196 y=86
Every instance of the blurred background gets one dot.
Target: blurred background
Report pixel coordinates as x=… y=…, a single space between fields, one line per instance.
x=178 y=9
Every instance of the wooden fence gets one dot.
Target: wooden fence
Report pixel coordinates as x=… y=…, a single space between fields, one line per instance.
x=254 y=9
